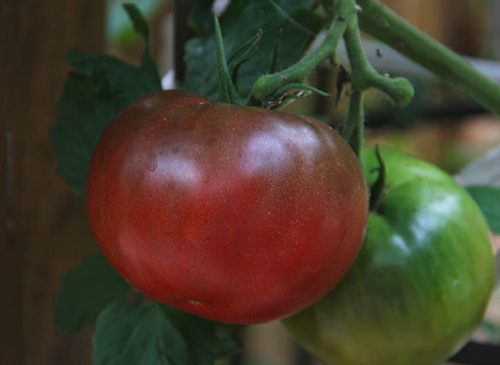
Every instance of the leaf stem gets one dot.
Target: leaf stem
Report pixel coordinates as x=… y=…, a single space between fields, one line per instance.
x=382 y=23
x=236 y=68
x=251 y=42
x=353 y=131
x=227 y=90
x=364 y=76
x=276 y=52
x=266 y=85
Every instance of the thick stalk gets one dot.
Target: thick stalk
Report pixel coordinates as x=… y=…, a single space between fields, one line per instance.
x=383 y=24
x=364 y=76
x=353 y=131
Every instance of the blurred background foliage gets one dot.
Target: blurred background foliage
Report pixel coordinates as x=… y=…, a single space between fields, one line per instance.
x=119 y=31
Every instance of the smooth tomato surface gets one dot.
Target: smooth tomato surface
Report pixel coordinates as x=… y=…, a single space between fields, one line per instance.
x=421 y=282
x=237 y=214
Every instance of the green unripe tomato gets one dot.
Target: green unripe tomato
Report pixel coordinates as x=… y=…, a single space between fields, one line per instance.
x=422 y=280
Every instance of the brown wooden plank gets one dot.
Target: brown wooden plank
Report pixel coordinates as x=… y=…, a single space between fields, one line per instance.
x=57 y=233
x=11 y=311
x=50 y=229
x=182 y=34
x=427 y=15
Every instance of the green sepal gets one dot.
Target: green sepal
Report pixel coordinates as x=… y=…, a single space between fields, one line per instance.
x=377 y=189
x=227 y=90
x=276 y=53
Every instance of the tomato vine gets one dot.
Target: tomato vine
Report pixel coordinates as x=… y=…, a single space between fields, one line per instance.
x=382 y=23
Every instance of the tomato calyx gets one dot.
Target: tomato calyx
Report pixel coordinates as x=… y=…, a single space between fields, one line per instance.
x=227 y=90
x=378 y=190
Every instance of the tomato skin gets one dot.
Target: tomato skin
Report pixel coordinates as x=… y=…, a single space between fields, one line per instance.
x=421 y=282
x=237 y=214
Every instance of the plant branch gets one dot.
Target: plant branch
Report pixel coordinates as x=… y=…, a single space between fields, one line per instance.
x=353 y=131
x=266 y=85
x=383 y=24
x=364 y=76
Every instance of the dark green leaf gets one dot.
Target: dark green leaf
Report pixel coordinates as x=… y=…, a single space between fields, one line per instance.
x=90 y=100
x=201 y=18
x=488 y=199
x=128 y=334
x=148 y=334
x=210 y=340
x=113 y=77
x=85 y=292
x=239 y=23
x=82 y=116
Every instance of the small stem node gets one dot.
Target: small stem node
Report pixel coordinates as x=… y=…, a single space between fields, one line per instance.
x=364 y=76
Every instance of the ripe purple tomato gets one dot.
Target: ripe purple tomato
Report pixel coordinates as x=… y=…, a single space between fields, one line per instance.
x=237 y=214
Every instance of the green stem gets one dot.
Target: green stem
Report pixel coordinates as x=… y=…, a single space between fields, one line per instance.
x=266 y=85
x=380 y=22
x=329 y=8
x=364 y=76
x=377 y=189
x=227 y=90
x=236 y=68
x=251 y=42
x=353 y=131
x=276 y=52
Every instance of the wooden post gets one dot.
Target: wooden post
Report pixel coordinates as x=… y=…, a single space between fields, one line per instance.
x=182 y=33
x=11 y=293
x=44 y=227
